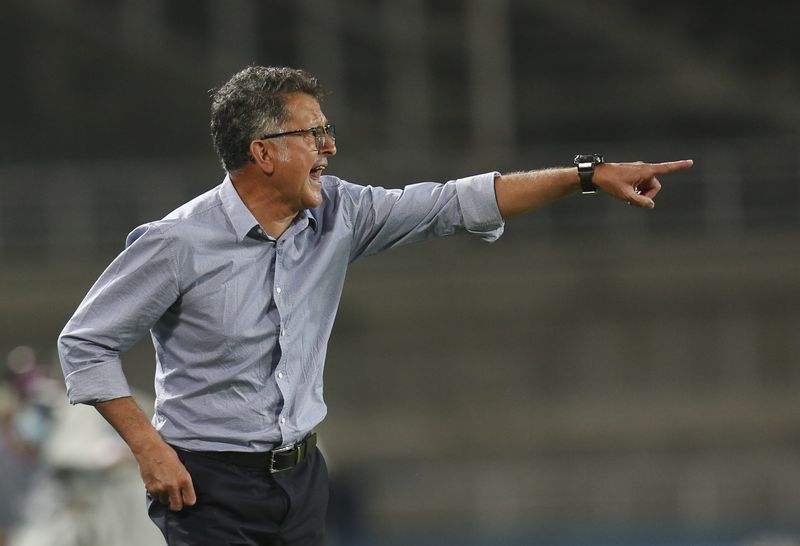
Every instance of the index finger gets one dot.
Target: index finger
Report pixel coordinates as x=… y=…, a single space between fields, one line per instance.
x=671 y=166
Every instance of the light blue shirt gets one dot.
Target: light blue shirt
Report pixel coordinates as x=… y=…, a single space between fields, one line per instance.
x=240 y=322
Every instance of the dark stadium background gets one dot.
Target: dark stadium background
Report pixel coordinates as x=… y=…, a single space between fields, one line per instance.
x=601 y=375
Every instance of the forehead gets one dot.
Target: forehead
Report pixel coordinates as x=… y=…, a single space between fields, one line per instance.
x=304 y=110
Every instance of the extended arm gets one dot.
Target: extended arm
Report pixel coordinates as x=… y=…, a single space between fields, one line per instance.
x=164 y=476
x=635 y=183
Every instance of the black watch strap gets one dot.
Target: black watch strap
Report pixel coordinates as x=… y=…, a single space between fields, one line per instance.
x=586 y=164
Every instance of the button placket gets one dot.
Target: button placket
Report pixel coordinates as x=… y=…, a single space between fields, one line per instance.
x=283 y=301
x=279 y=300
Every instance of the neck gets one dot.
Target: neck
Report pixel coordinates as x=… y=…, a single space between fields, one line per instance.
x=270 y=209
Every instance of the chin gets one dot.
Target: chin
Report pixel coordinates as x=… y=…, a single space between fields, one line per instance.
x=313 y=200
x=313 y=195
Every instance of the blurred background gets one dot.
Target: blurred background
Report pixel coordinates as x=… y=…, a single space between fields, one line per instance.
x=601 y=375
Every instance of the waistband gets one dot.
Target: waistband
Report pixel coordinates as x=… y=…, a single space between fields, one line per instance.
x=273 y=461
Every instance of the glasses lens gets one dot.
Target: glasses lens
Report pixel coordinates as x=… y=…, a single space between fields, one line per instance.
x=320 y=133
x=319 y=137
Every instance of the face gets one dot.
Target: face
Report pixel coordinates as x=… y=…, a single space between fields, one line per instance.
x=298 y=164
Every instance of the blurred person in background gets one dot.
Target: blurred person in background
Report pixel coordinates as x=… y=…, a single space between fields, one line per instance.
x=68 y=477
x=88 y=491
x=25 y=417
x=239 y=289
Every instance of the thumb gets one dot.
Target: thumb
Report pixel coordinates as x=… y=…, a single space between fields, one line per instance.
x=187 y=493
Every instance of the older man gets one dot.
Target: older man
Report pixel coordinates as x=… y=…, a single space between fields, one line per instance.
x=239 y=289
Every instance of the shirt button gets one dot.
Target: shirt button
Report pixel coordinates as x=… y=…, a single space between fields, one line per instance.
x=283 y=420
x=278 y=290
x=283 y=333
x=280 y=375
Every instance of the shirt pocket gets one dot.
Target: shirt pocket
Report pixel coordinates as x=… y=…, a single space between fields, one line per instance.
x=207 y=320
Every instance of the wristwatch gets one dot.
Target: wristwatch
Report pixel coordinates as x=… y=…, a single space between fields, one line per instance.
x=585 y=164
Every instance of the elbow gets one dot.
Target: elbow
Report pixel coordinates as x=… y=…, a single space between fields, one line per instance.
x=64 y=342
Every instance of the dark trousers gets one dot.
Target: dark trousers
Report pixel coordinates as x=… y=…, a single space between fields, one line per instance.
x=245 y=506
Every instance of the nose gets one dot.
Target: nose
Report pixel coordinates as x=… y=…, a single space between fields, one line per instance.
x=330 y=146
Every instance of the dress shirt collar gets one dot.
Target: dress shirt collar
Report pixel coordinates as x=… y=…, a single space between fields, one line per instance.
x=242 y=219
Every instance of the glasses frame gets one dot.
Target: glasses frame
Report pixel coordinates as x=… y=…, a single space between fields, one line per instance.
x=320 y=132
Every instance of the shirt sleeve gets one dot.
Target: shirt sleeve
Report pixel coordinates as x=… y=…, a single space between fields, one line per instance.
x=383 y=219
x=124 y=303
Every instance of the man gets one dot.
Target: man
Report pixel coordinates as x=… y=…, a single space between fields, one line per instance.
x=239 y=289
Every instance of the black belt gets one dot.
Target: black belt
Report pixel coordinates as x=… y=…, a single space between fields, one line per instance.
x=274 y=461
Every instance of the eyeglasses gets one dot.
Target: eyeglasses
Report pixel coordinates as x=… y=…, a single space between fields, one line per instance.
x=319 y=134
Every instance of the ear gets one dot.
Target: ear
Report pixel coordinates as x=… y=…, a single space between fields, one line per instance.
x=262 y=155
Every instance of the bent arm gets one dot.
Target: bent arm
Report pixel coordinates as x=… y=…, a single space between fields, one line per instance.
x=164 y=476
x=125 y=301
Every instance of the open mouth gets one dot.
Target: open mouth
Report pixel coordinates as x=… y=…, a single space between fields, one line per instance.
x=316 y=172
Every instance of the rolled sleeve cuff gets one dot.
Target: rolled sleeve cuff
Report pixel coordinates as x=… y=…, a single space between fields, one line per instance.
x=478 y=204
x=97 y=383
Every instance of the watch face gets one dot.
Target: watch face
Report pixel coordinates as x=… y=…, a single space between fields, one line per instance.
x=588 y=158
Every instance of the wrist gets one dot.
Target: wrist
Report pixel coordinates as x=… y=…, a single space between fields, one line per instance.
x=148 y=448
x=585 y=165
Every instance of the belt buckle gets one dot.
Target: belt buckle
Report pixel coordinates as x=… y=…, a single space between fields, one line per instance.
x=279 y=451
